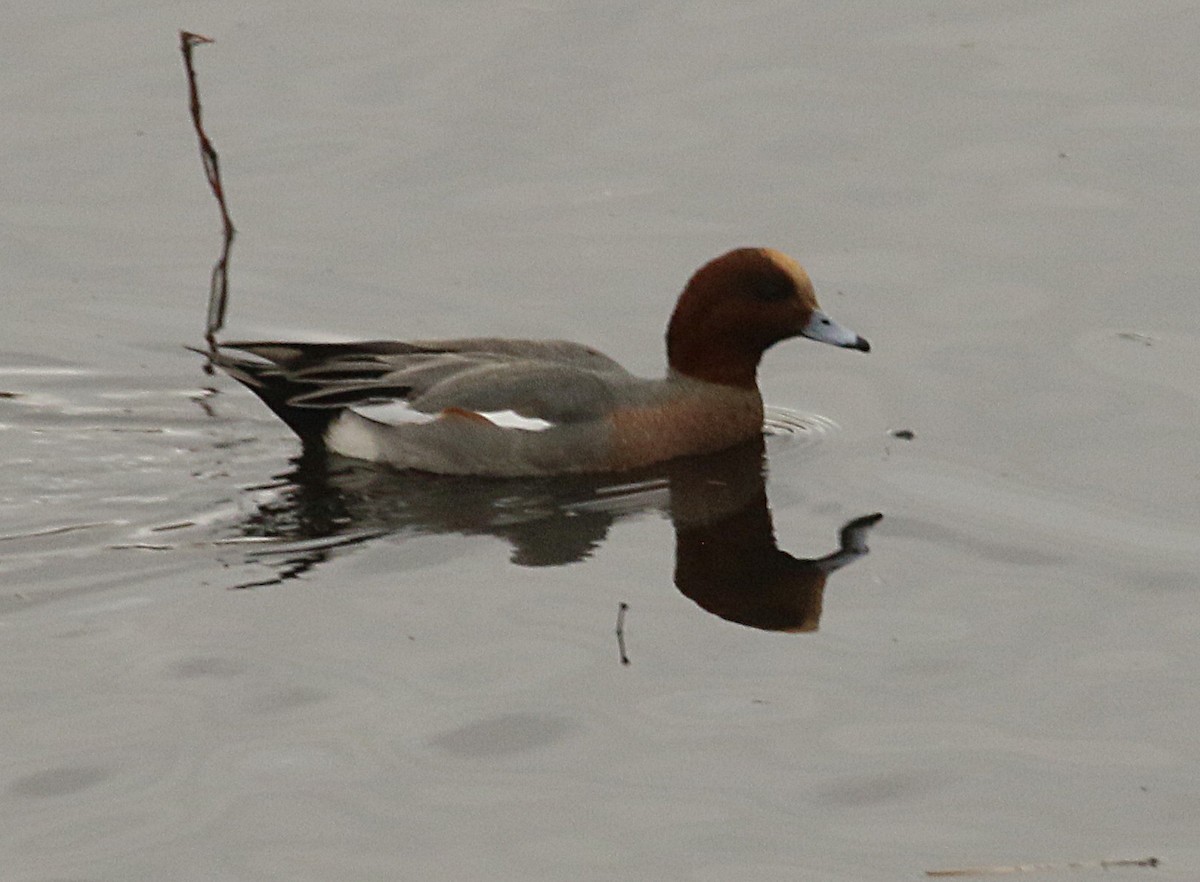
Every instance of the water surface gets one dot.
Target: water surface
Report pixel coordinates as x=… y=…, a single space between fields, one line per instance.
x=220 y=663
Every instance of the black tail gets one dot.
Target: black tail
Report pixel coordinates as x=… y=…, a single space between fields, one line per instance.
x=308 y=384
x=278 y=386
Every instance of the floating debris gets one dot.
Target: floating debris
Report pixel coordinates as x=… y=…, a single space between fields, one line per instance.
x=1032 y=868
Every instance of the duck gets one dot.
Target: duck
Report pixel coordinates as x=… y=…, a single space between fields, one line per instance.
x=497 y=407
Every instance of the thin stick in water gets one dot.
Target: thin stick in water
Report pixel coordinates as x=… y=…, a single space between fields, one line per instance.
x=218 y=289
x=621 y=610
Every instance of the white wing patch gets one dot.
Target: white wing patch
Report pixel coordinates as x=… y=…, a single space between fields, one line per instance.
x=394 y=413
x=510 y=419
x=401 y=413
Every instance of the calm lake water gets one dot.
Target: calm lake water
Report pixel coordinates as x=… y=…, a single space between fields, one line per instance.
x=222 y=662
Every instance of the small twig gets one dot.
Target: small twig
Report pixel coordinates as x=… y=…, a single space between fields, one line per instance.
x=1032 y=868
x=621 y=610
x=218 y=290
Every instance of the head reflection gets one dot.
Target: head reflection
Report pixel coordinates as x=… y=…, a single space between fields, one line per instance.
x=726 y=557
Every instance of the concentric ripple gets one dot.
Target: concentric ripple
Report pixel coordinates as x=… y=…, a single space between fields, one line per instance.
x=796 y=428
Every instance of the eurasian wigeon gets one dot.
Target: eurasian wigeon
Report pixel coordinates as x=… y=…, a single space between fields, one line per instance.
x=498 y=407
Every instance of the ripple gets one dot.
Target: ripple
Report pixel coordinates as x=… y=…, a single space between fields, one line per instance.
x=691 y=708
x=58 y=781
x=503 y=735
x=796 y=427
x=96 y=462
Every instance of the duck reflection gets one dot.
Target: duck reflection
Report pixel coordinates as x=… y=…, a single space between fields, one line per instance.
x=726 y=557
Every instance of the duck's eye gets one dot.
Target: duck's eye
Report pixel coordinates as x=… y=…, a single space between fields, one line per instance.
x=773 y=288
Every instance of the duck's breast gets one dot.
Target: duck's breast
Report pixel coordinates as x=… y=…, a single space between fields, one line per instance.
x=692 y=418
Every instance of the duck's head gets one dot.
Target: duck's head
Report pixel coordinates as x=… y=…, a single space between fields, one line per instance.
x=737 y=306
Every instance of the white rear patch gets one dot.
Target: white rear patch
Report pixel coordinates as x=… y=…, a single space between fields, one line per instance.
x=350 y=435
